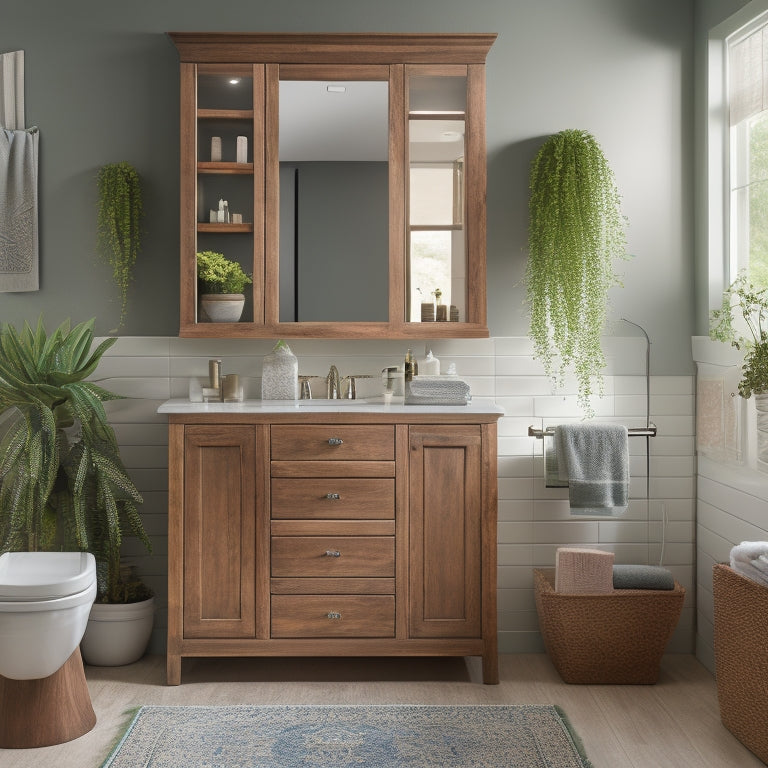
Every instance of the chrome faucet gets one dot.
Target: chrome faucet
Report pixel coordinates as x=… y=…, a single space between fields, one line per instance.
x=332 y=382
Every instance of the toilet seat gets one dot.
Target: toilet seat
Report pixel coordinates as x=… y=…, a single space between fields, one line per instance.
x=48 y=604
x=28 y=577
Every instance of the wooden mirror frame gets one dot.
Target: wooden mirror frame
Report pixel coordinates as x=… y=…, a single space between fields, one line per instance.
x=381 y=56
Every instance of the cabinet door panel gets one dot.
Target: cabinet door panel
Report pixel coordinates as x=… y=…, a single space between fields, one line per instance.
x=445 y=532
x=219 y=532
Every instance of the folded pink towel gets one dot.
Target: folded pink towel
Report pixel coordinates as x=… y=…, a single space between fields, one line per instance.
x=579 y=571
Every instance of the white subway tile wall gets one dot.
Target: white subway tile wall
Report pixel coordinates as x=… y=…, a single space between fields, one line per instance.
x=533 y=520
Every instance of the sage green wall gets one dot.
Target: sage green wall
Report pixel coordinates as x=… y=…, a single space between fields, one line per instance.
x=101 y=84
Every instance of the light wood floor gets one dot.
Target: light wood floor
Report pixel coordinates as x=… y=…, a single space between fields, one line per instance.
x=673 y=724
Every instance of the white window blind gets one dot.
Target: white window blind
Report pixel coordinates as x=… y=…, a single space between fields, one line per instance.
x=748 y=75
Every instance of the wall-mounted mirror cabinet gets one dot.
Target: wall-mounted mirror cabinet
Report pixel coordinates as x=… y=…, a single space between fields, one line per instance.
x=353 y=167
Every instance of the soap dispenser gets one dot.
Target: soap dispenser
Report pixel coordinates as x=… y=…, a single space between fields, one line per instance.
x=280 y=374
x=430 y=365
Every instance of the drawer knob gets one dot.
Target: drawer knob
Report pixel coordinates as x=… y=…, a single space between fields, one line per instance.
x=335 y=441
x=334 y=615
x=332 y=496
x=332 y=553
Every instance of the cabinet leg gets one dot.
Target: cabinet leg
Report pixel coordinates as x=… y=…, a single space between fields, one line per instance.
x=491 y=668
x=173 y=669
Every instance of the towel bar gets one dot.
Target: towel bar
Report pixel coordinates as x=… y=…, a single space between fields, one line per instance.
x=649 y=431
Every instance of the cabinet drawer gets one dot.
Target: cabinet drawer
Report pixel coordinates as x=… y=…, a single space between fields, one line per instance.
x=333 y=616
x=333 y=556
x=333 y=498
x=334 y=442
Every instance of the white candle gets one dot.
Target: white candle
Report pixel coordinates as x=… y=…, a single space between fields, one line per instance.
x=242 y=149
x=215 y=149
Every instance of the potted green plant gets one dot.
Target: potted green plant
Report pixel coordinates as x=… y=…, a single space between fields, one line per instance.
x=221 y=283
x=576 y=232
x=63 y=485
x=741 y=321
x=121 y=209
x=744 y=300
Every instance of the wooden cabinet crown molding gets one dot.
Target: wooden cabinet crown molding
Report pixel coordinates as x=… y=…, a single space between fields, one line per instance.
x=369 y=48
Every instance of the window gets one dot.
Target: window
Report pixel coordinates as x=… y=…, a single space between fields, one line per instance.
x=747 y=95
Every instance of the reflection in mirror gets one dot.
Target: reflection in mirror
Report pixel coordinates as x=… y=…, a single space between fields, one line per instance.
x=334 y=219
x=436 y=237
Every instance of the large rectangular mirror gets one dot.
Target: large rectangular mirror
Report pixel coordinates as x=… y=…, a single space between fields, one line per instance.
x=334 y=214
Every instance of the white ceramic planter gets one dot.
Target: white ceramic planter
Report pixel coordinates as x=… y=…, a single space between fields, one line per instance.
x=117 y=634
x=222 y=307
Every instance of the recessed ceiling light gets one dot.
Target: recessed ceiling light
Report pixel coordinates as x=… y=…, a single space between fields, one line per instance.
x=234 y=81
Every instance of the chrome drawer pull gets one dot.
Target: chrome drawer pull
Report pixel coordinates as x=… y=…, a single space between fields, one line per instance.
x=332 y=553
x=335 y=441
x=334 y=615
x=332 y=496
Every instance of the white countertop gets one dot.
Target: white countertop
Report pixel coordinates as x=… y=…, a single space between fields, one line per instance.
x=180 y=405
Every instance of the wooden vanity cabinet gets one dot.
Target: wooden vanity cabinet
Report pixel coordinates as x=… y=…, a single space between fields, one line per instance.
x=332 y=534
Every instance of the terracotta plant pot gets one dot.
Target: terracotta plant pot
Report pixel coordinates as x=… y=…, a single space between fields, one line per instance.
x=222 y=307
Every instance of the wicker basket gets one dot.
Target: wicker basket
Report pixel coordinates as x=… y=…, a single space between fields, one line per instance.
x=741 y=657
x=616 y=638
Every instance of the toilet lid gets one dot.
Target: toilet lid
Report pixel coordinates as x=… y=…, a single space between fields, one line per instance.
x=45 y=575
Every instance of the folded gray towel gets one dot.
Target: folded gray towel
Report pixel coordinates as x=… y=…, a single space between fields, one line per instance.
x=594 y=459
x=642 y=577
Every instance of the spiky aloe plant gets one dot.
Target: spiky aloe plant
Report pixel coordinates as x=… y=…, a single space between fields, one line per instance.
x=63 y=485
x=576 y=231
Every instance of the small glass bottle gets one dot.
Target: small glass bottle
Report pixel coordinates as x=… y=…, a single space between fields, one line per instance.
x=411 y=366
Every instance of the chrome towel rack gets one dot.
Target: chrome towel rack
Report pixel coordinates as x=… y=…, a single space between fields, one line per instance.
x=649 y=431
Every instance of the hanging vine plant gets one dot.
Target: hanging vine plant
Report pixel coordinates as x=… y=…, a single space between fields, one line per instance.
x=121 y=209
x=576 y=232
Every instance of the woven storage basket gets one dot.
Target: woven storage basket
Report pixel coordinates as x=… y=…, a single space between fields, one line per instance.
x=741 y=657
x=616 y=638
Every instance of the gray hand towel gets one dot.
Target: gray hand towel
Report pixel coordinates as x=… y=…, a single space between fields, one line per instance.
x=594 y=459
x=18 y=210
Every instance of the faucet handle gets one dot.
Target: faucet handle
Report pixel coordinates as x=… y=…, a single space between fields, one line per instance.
x=351 y=388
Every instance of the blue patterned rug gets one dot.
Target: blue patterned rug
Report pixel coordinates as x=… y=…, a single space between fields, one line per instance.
x=402 y=736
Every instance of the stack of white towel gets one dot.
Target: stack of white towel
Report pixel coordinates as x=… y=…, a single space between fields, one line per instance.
x=750 y=559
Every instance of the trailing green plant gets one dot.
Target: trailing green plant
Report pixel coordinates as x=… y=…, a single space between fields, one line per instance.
x=63 y=485
x=121 y=209
x=743 y=299
x=218 y=274
x=576 y=232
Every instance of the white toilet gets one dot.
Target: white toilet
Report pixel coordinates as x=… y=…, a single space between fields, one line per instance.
x=45 y=599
